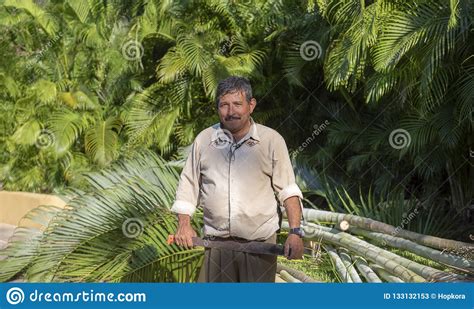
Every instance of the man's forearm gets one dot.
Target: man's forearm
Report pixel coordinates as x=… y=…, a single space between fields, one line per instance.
x=293 y=211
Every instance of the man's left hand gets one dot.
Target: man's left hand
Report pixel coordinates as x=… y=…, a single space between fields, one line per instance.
x=297 y=248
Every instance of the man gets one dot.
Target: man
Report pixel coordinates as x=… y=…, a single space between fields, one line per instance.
x=234 y=171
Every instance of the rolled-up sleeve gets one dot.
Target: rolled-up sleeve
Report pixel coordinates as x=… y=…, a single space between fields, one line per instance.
x=283 y=177
x=187 y=193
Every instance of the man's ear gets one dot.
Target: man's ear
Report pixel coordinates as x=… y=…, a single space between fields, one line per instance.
x=252 y=104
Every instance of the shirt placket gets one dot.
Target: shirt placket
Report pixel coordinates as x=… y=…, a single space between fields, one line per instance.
x=232 y=158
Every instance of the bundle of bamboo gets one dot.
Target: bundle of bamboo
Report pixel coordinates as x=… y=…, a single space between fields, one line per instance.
x=363 y=248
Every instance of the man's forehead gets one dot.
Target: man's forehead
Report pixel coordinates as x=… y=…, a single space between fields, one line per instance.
x=236 y=95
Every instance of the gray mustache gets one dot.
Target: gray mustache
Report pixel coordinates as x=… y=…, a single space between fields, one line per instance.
x=232 y=118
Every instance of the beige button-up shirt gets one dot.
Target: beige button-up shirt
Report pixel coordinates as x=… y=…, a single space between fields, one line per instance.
x=237 y=184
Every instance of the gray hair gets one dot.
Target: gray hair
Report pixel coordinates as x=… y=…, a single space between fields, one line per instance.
x=233 y=84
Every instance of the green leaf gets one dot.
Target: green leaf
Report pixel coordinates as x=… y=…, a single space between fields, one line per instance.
x=27 y=133
x=45 y=91
x=101 y=141
x=81 y=8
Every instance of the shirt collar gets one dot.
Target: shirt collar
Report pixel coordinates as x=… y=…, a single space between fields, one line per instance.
x=220 y=133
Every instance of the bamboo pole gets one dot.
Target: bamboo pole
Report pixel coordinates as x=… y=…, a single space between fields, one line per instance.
x=424 y=271
x=362 y=248
x=279 y=279
x=385 y=274
x=288 y=278
x=340 y=267
x=295 y=273
x=365 y=270
x=429 y=253
x=346 y=259
x=315 y=215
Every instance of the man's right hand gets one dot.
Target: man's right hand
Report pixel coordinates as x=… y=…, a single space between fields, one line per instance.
x=185 y=232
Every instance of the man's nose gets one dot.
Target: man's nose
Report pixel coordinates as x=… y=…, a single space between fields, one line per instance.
x=230 y=111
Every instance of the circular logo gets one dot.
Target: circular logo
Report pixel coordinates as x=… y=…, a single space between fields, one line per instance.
x=132 y=227
x=399 y=138
x=45 y=139
x=310 y=50
x=221 y=138
x=132 y=50
x=15 y=296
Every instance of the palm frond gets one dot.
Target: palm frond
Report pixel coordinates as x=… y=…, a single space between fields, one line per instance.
x=101 y=141
x=115 y=231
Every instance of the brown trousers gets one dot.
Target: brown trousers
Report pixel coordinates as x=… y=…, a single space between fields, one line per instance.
x=221 y=265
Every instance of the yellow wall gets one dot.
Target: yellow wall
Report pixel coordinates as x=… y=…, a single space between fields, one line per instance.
x=14 y=205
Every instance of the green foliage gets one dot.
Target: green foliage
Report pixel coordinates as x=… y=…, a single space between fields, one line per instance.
x=105 y=86
x=319 y=268
x=115 y=231
x=87 y=83
x=400 y=65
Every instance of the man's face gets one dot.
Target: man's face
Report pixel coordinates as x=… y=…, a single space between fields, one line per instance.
x=234 y=110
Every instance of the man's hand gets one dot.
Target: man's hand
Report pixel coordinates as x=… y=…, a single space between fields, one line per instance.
x=185 y=232
x=297 y=248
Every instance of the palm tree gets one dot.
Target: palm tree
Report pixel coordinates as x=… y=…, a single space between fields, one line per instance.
x=205 y=43
x=70 y=77
x=114 y=231
x=404 y=66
